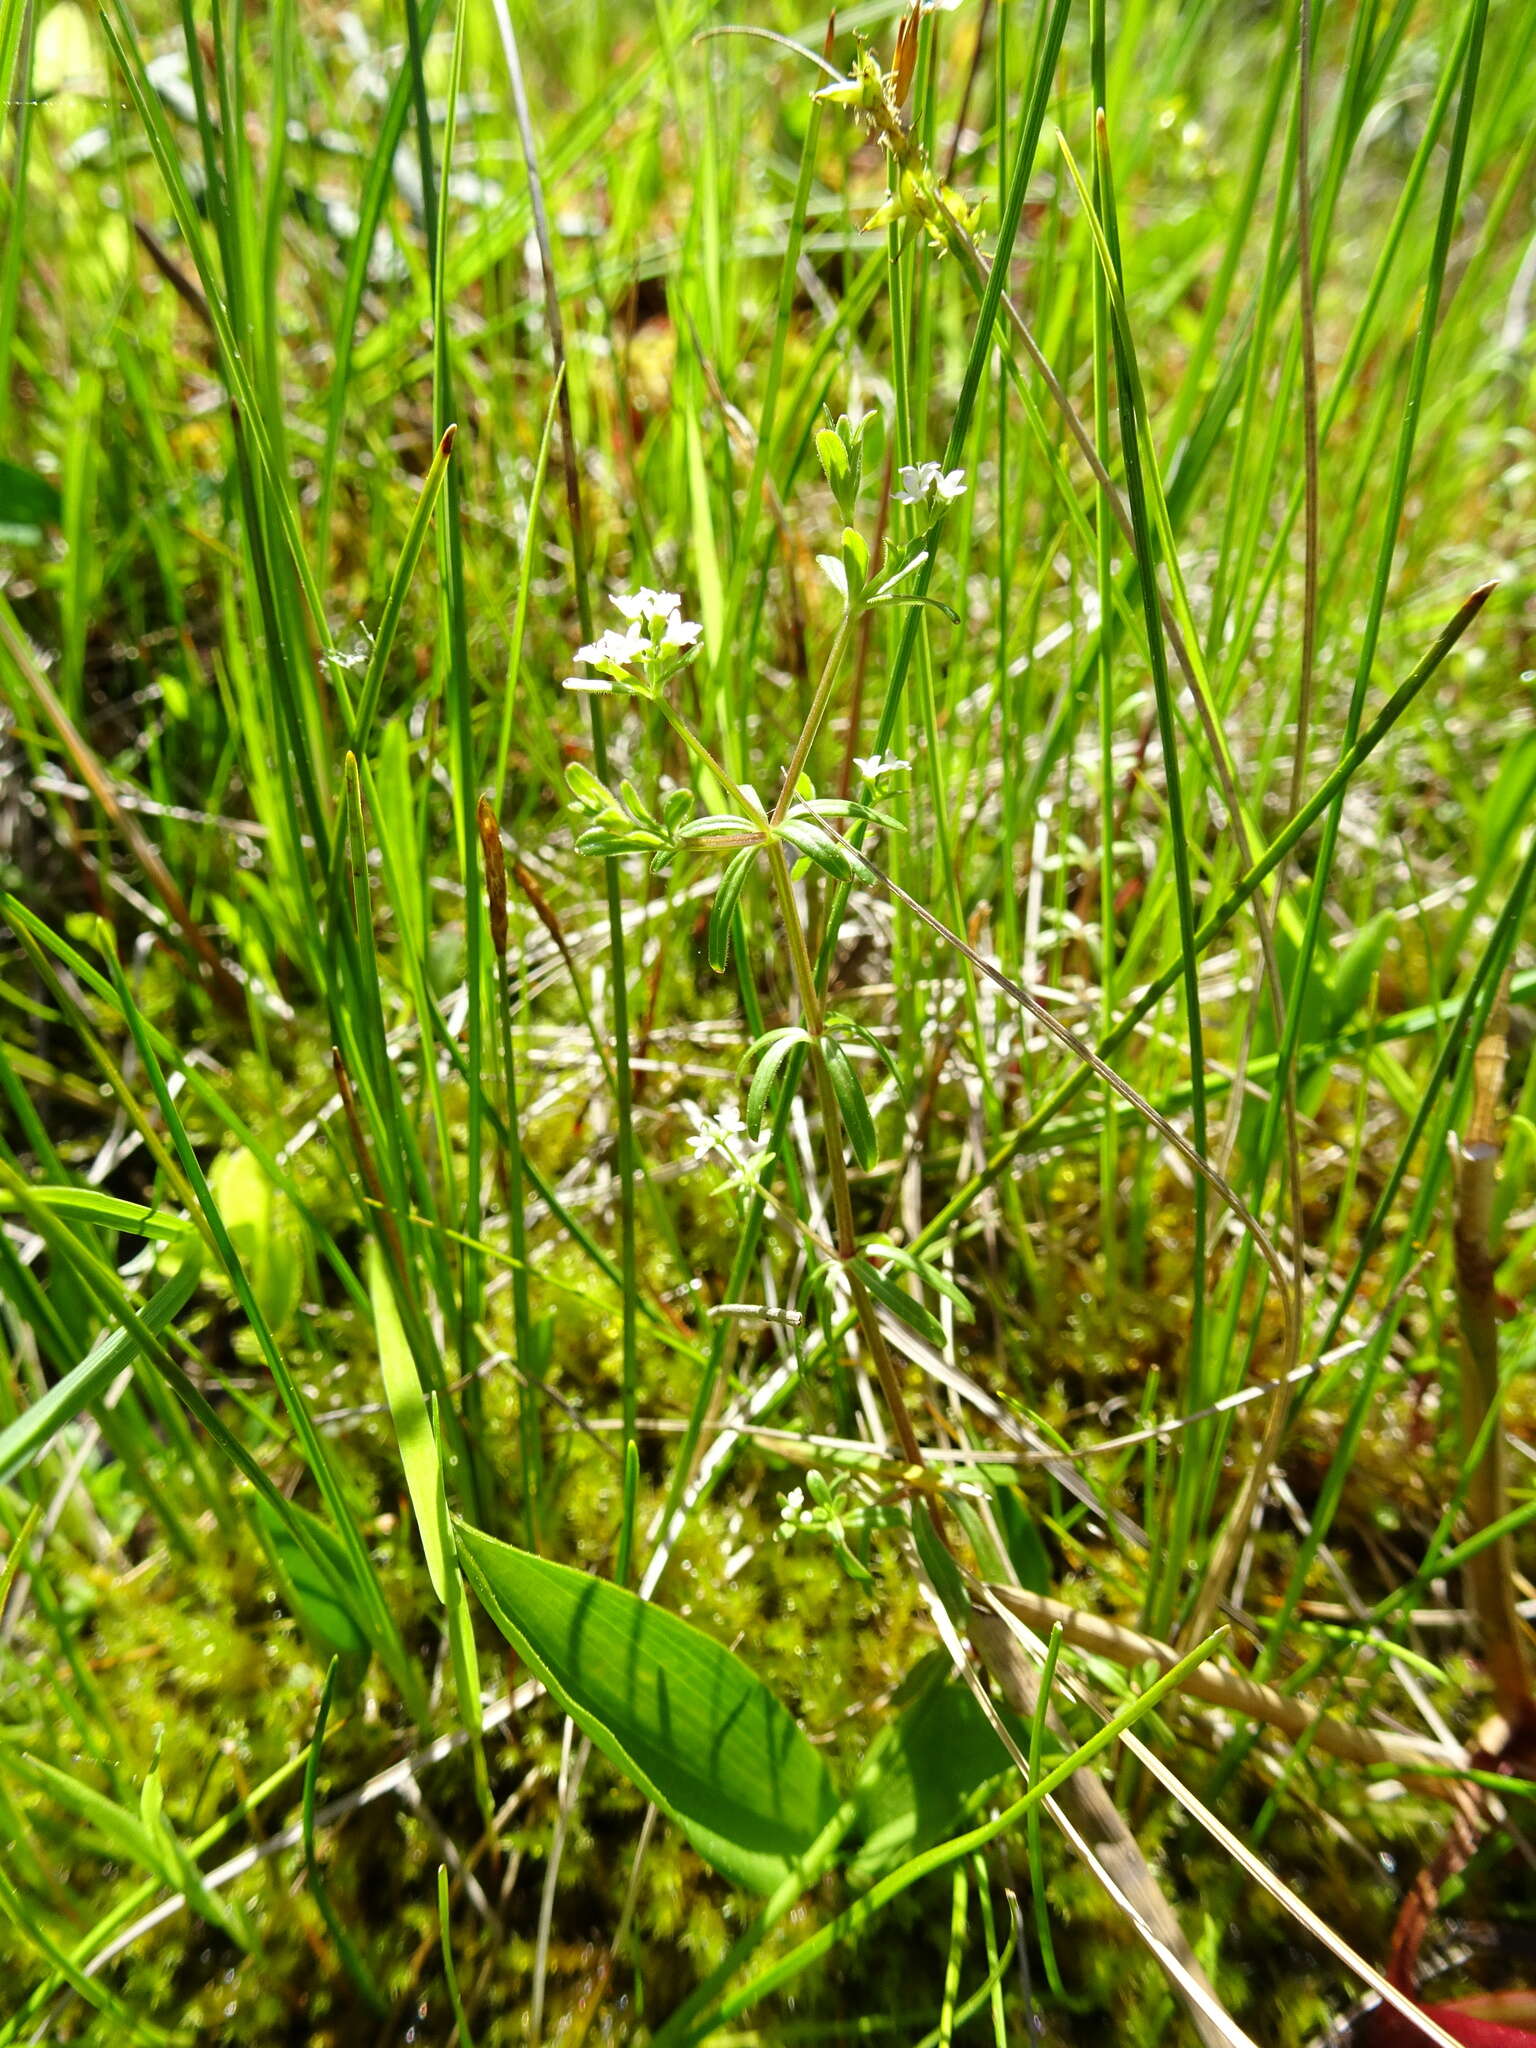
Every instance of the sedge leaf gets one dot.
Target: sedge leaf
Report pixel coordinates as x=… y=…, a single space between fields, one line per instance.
x=37 y=1425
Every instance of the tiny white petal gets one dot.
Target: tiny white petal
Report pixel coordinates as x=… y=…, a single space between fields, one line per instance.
x=681 y=633
x=873 y=766
x=612 y=646
x=645 y=604
x=835 y=573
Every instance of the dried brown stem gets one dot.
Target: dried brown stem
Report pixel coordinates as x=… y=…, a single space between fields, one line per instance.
x=1490 y=1573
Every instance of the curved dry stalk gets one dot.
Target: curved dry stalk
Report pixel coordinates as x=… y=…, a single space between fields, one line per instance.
x=1231 y=1690
x=1254 y=1866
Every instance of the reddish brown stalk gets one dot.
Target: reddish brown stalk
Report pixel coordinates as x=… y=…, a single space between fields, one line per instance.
x=1490 y=1573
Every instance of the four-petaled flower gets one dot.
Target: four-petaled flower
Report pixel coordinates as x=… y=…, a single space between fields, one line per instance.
x=614 y=646
x=876 y=767
x=926 y=483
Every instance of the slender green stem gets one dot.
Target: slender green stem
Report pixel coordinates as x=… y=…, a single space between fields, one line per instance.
x=815 y=715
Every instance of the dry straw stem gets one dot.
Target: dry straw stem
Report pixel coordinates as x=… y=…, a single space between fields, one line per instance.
x=1490 y=1573
x=1010 y=1652
x=1086 y=1815
x=1238 y=1694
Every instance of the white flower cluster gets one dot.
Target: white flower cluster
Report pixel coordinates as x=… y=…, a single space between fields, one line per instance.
x=655 y=640
x=928 y=484
x=724 y=1138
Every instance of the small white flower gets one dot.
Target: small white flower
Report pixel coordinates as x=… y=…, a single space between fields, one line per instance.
x=645 y=605
x=875 y=767
x=614 y=646
x=723 y=1139
x=681 y=633
x=924 y=482
x=793 y=1501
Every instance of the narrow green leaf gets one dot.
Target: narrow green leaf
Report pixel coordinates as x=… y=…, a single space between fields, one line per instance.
x=857 y=1121
x=111 y=1212
x=768 y=1068
x=10 y=1565
x=144 y=1839
x=900 y=1303
x=681 y=1716
x=394 y=596
x=823 y=848
x=413 y=1428
x=37 y=1426
x=722 y=915
x=353 y=1961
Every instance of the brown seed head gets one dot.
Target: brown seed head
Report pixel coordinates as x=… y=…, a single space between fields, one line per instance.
x=906 y=54
x=495 y=874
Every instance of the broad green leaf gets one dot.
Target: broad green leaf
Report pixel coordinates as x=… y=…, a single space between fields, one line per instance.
x=680 y=1715
x=322 y=1603
x=939 y=1563
x=1026 y=1548
x=35 y=1428
x=413 y=1426
x=264 y=1231
x=28 y=503
x=922 y=1773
